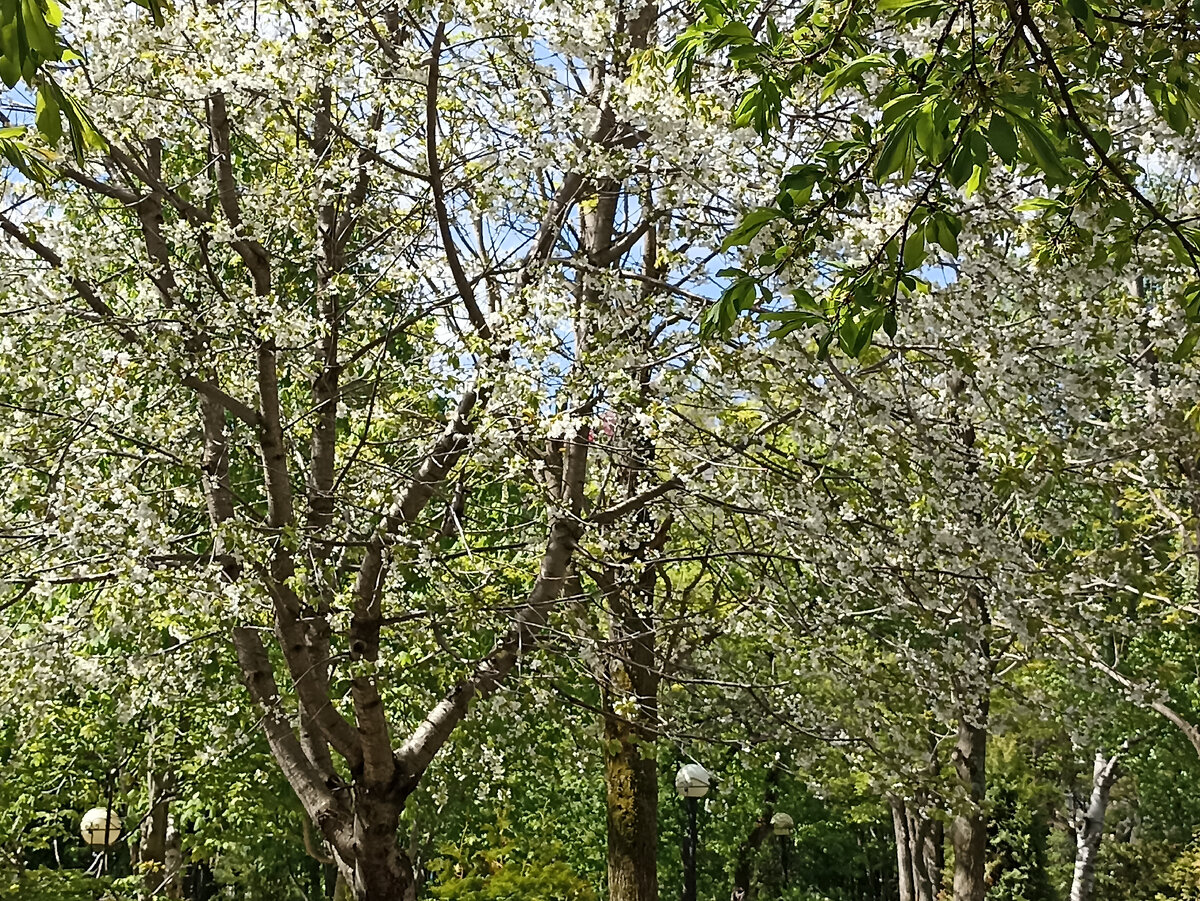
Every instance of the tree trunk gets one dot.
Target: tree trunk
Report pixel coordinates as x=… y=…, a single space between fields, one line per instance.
x=743 y=868
x=631 y=781
x=631 y=777
x=158 y=853
x=904 y=849
x=969 y=829
x=631 y=683
x=918 y=851
x=372 y=865
x=927 y=854
x=1089 y=828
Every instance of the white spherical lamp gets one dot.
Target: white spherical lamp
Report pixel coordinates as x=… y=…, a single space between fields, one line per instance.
x=100 y=827
x=782 y=824
x=692 y=781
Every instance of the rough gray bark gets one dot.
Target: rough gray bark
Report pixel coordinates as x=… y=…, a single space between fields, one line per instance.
x=918 y=851
x=968 y=831
x=928 y=855
x=904 y=850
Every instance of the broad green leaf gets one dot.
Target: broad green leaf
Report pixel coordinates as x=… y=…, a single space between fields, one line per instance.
x=1042 y=149
x=46 y=115
x=896 y=148
x=974 y=181
x=752 y=223
x=1002 y=137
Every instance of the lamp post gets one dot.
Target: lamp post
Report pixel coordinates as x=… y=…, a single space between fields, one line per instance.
x=782 y=825
x=691 y=784
x=100 y=828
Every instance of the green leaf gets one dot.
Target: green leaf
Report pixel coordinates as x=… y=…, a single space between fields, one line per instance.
x=10 y=73
x=947 y=234
x=1002 y=138
x=38 y=31
x=929 y=137
x=746 y=230
x=46 y=115
x=896 y=149
x=848 y=334
x=1177 y=248
x=1080 y=10
x=889 y=323
x=1186 y=346
x=851 y=73
x=914 y=249
x=974 y=181
x=1042 y=149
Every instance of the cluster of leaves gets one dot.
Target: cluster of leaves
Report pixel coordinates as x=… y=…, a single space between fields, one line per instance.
x=505 y=873
x=30 y=46
x=66 y=885
x=1028 y=90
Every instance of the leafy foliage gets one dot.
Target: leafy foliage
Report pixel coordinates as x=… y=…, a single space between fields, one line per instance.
x=944 y=99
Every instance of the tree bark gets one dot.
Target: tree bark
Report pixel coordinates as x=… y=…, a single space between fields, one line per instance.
x=969 y=829
x=159 y=857
x=904 y=849
x=918 y=851
x=1089 y=826
x=631 y=782
x=927 y=854
x=630 y=698
x=376 y=868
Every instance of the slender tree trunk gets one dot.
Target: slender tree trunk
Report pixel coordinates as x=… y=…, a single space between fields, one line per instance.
x=1089 y=828
x=969 y=829
x=927 y=855
x=631 y=683
x=904 y=849
x=743 y=868
x=918 y=851
x=159 y=856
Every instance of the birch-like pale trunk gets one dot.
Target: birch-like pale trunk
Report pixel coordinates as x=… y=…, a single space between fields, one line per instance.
x=1089 y=825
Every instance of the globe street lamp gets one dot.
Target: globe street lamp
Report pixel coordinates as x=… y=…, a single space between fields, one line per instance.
x=100 y=828
x=691 y=784
x=782 y=825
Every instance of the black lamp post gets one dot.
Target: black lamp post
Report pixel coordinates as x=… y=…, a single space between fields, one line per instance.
x=691 y=784
x=782 y=825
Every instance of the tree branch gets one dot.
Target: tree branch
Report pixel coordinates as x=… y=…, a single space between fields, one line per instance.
x=437 y=189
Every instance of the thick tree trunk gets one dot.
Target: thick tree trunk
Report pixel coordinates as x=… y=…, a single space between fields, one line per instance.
x=969 y=829
x=632 y=796
x=1089 y=826
x=928 y=854
x=631 y=776
x=372 y=864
